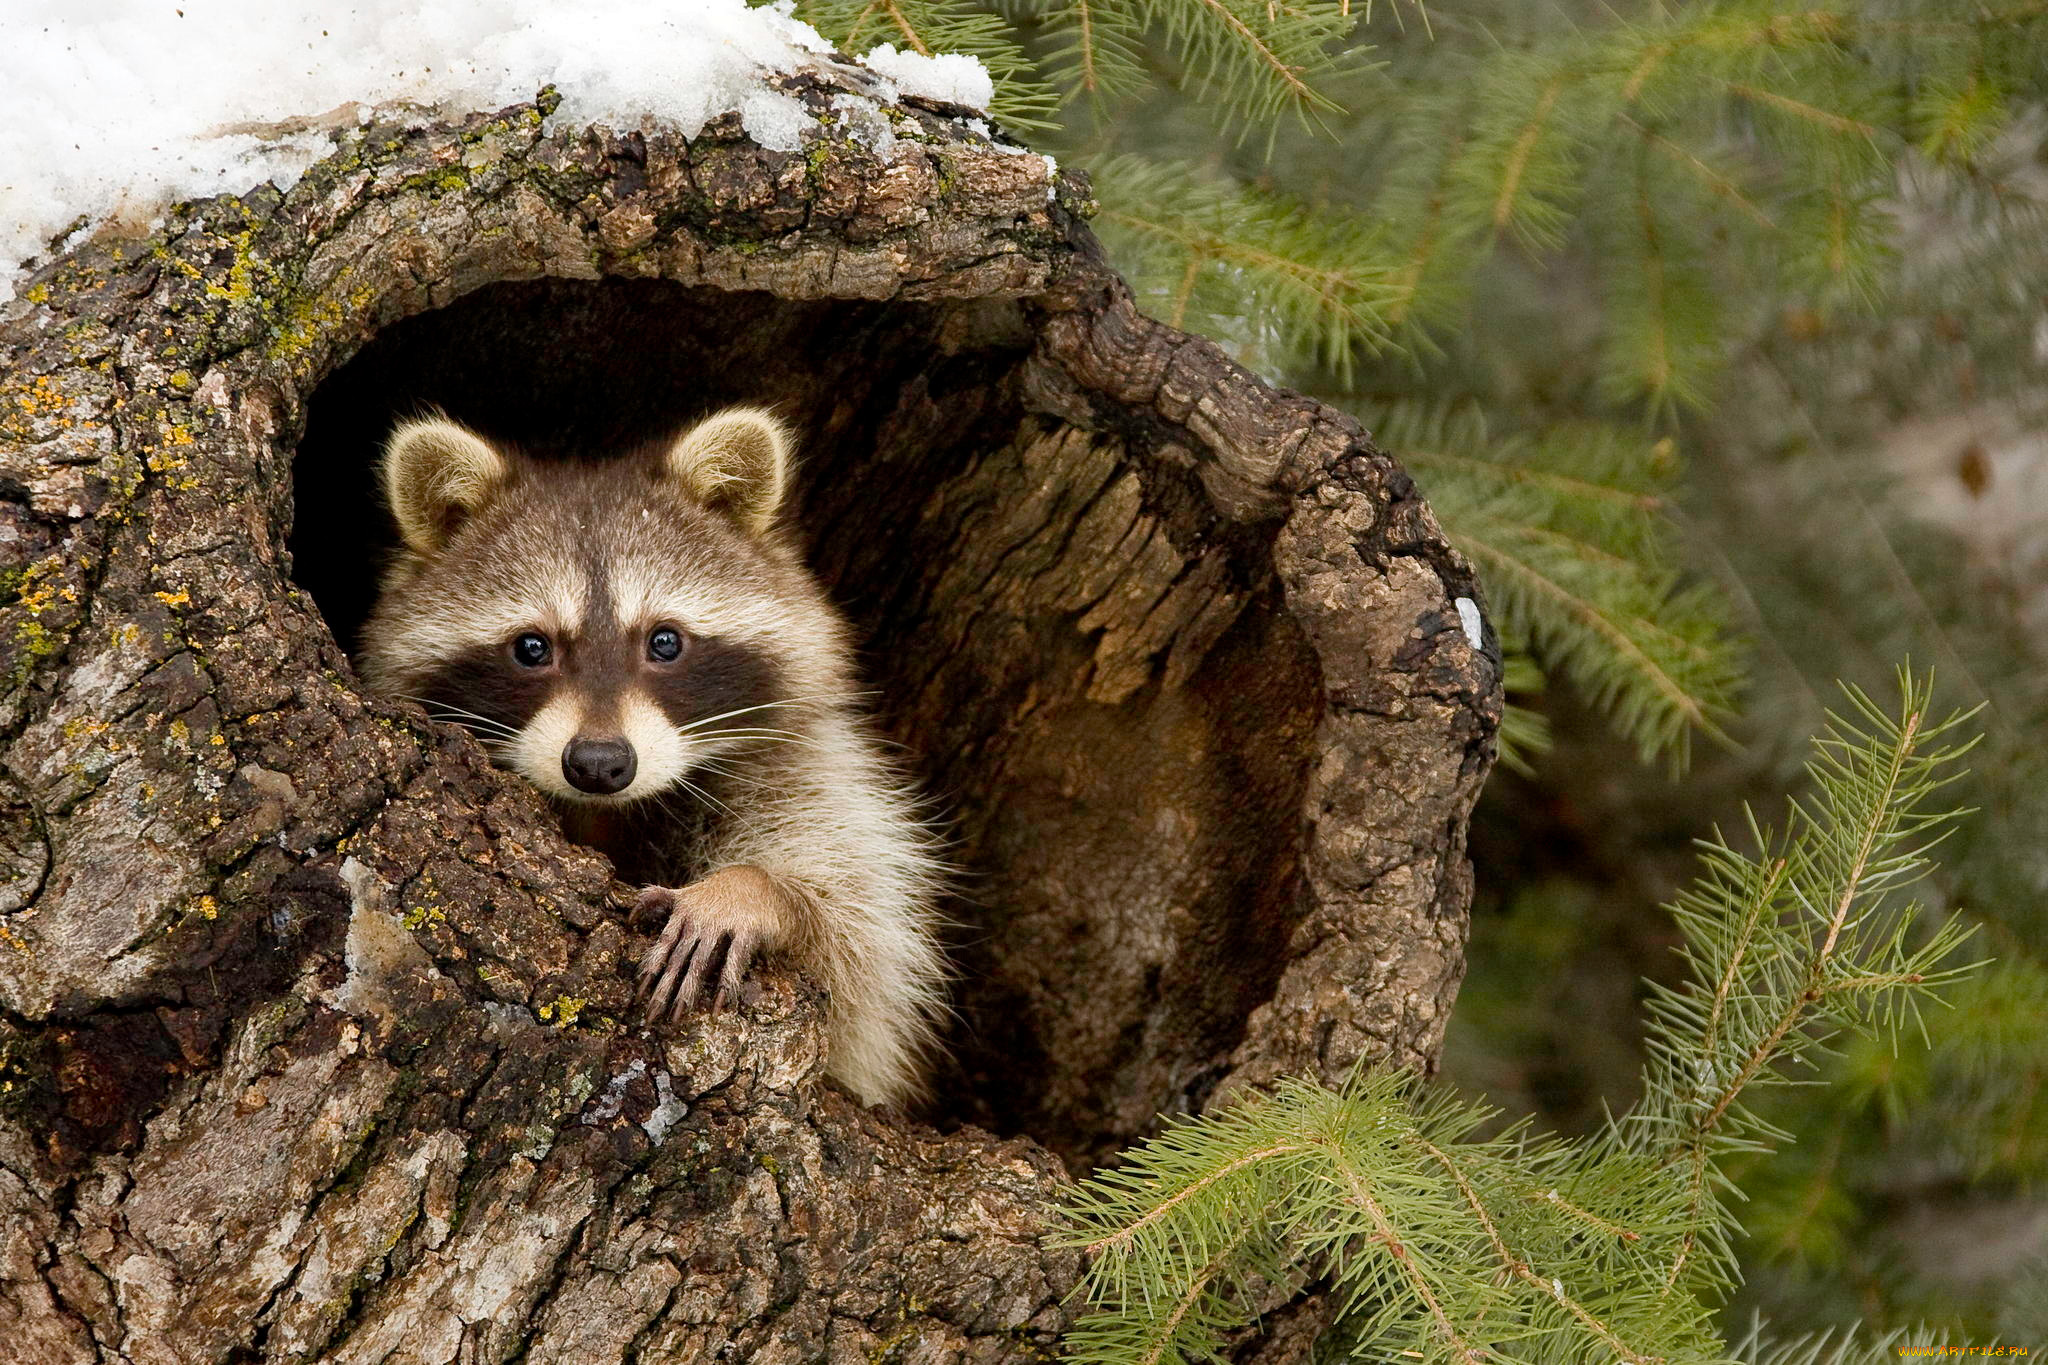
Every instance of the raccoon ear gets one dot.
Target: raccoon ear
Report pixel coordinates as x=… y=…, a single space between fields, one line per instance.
x=435 y=474
x=735 y=462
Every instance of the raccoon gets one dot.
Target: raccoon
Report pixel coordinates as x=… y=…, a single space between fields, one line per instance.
x=639 y=639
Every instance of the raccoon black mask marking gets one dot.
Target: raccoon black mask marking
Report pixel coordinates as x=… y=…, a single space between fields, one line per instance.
x=638 y=639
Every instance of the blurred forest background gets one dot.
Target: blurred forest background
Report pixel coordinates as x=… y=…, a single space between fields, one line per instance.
x=1717 y=334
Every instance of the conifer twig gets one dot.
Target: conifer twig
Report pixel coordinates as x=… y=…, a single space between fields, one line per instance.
x=1525 y=146
x=1388 y=1236
x=1086 y=17
x=1289 y=77
x=1126 y=1235
x=1798 y=108
x=1867 y=812
x=1752 y=916
x=903 y=26
x=1519 y=1268
x=1198 y=1285
x=1586 y=1216
x=1720 y=185
x=1439 y=1240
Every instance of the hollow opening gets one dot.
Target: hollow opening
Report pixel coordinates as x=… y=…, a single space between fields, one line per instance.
x=1125 y=816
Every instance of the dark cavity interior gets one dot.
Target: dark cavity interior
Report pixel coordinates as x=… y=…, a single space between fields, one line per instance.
x=1129 y=865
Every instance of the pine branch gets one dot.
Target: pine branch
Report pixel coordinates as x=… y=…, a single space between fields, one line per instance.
x=1245 y=266
x=1388 y=1237
x=1519 y=155
x=1250 y=63
x=1519 y=1268
x=1436 y=248
x=1718 y=183
x=1524 y=144
x=1260 y=61
x=1666 y=316
x=1095 y=49
x=1798 y=108
x=1123 y=1237
x=1782 y=196
x=1386 y=1192
x=1783 y=945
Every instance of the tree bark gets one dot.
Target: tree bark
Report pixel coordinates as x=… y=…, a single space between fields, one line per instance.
x=315 y=1034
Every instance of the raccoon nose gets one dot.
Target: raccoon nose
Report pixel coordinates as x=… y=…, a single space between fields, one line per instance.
x=599 y=766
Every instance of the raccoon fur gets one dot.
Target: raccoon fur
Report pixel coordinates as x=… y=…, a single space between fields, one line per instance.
x=639 y=639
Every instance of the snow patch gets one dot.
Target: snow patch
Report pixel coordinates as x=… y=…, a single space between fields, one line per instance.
x=947 y=77
x=110 y=111
x=863 y=120
x=1468 y=617
x=773 y=119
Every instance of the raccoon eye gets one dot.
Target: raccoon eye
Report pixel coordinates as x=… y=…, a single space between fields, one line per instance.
x=665 y=644
x=531 y=650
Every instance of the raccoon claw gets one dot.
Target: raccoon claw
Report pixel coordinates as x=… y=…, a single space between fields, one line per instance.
x=689 y=966
x=710 y=940
x=683 y=965
x=641 y=909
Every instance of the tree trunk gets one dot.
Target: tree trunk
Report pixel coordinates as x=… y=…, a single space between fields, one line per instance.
x=315 y=1034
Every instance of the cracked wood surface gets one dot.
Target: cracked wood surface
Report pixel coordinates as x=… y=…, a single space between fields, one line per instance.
x=312 y=1025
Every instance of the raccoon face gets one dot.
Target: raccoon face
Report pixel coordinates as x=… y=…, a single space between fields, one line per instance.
x=606 y=629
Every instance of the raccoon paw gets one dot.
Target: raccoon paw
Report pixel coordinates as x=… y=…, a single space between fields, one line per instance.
x=715 y=928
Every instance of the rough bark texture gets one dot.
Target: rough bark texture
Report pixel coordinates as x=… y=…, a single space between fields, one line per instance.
x=311 y=1039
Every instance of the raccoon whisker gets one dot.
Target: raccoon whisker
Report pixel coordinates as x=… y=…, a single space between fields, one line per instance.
x=706 y=797
x=788 y=701
x=479 y=728
x=743 y=737
x=666 y=800
x=446 y=711
x=432 y=704
x=744 y=746
x=733 y=775
x=710 y=799
x=720 y=764
x=743 y=789
x=666 y=803
x=496 y=743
